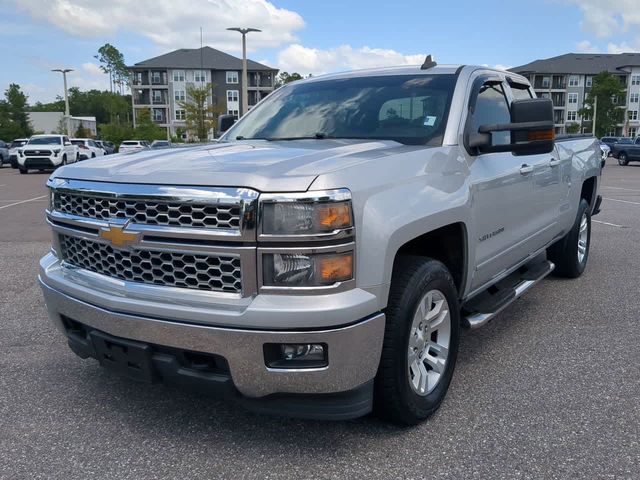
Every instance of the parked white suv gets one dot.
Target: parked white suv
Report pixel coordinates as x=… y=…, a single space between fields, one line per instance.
x=87 y=148
x=130 y=146
x=46 y=151
x=13 y=150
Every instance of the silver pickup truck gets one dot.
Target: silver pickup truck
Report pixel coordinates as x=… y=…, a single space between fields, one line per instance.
x=322 y=258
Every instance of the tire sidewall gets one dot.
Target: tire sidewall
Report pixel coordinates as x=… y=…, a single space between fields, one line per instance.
x=622 y=159
x=572 y=239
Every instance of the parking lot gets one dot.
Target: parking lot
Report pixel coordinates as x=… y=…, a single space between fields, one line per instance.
x=551 y=389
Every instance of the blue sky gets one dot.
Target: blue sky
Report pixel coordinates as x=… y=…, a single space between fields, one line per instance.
x=302 y=35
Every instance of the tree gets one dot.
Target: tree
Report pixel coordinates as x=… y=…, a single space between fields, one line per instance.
x=200 y=114
x=116 y=132
x=107 y=107
x=608 y=90
x=82 y=132
x=286 y=77
x=573 y=128
x=14 y=121
x=146 y=129
x=112 y=62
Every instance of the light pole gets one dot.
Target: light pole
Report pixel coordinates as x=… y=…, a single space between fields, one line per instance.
x=245 y=93
x=67 y=116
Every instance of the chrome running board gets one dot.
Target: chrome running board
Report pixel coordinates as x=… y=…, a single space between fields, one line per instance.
x=483 y=308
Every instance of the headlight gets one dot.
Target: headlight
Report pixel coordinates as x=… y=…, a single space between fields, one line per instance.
x=20 y=153
x=56 y=152
x=311 y=213
x=306 y=270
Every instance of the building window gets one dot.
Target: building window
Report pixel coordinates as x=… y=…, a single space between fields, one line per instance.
x=634 y=98
x=232 y=77
x=633 y=114
x=179 y=95
x=572 y=98
x=546 y=81
x=586 y=118
x=635 y=79
x=614 y=99
x=588 y=81
x=180 y=115
x=156 y=77
x=178 y=75
x=544 y=95
x=574 y=81
x=232 y=95
x=632 y=132
x=199 y=76
x=572 y=116
x=158 y=115
x=233 y=112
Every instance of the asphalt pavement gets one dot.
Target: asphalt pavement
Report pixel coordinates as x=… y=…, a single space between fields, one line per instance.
x=550 y=389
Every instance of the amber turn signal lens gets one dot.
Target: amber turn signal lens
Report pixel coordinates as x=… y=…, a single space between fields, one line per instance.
x=336 y=268
x=541 y=135
x=334 y=216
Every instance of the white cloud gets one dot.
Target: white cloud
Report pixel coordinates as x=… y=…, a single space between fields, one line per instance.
x=92 y=69
x=304 y=60
x=606 y=19
x=623 y=47
x=585 y=46
x=170 y=24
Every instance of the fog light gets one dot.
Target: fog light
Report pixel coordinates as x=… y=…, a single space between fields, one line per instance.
x=295 y=355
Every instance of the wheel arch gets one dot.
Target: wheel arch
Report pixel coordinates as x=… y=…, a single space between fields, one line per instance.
x=447 y=244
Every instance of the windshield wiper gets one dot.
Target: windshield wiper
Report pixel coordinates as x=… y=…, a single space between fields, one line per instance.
x=316 y=136
x=240 y=137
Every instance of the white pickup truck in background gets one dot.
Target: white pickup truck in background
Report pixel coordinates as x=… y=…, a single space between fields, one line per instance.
x=44 y=152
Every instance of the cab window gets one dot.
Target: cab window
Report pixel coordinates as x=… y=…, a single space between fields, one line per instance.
x=492 y=107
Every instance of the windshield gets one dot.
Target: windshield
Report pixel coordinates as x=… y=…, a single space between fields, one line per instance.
x=625 y=140
x=45 y=141
x=17 y=143
x=160 y=143
x=130 y=144
x=77 y=142
x=408 y=109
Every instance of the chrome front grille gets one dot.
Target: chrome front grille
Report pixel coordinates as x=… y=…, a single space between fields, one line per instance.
x=217 y=273
x=150 y=212
x=196 y=237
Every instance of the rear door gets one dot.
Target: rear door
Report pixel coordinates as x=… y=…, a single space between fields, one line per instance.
x=501 y=189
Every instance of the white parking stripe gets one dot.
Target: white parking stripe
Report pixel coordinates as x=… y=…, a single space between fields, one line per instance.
x=621 y=188
x=607 y=223
x=621 y=201
x=24 y=201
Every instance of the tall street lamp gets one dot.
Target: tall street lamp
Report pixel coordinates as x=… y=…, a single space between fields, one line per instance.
x=245 y=93
x=66 y=96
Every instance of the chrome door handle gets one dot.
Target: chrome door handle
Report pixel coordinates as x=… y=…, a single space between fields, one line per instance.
x=554 y=162
x=526 y=169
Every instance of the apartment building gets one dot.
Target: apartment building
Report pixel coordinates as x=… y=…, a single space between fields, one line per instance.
x=159 y=84
x=567 y=79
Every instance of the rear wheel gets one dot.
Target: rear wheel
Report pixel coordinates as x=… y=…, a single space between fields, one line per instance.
x=421 y=341
x=623 y=160
x=571 y=254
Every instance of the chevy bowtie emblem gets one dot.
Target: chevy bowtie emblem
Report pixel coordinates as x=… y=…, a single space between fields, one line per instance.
x=118 y=237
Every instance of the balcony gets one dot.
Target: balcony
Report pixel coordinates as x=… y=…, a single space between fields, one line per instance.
x=260 y=80
x=159 y=116
x=158 y=78
x=159 y=97
x=140 y=78
x=141 y=97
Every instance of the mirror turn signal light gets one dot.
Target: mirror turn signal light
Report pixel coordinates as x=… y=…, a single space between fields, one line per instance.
x=541 y=135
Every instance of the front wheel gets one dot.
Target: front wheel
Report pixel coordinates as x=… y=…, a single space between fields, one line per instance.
x=421 y=339
x=23 y=170
x=570 y=254
x=623 y=160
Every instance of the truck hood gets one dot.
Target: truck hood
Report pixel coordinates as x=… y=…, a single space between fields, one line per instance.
x=261 y=165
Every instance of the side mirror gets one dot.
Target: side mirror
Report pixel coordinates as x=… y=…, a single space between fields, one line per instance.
x=225 y=122
x=531 y=128
x=67 y=144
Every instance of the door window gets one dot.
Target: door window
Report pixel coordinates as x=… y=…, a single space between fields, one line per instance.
x=492 y=107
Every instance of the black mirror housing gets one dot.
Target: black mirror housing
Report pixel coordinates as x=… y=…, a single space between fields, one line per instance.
x=225 y=122
x=531 y=127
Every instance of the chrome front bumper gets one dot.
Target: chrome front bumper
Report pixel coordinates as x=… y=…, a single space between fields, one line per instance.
x=353 y=350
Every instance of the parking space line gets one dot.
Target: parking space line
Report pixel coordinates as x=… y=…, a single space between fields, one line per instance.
x=607 y=223
x=26 y=201
x=621 y=201
x=621 y=188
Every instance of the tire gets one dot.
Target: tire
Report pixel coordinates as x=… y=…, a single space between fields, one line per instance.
x=571 y=254
x=23 y=170
x=93 y=155
x=396 y=394
x=622 y=159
